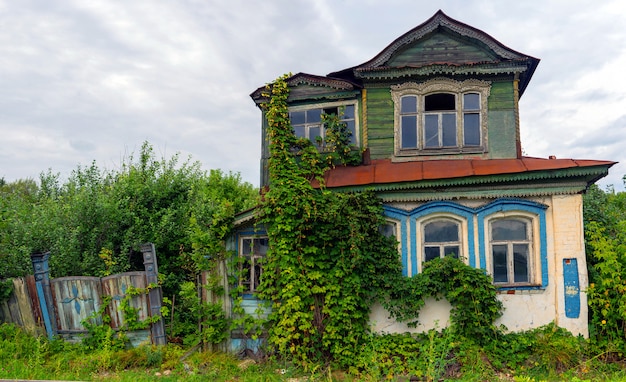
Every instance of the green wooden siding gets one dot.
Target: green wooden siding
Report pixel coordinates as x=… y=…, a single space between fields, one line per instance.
x=502 y=95
x=380 y=123
x=441 y=48
x=501 y=120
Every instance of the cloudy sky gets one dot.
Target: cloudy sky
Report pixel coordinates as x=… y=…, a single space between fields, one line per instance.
x=85 y=80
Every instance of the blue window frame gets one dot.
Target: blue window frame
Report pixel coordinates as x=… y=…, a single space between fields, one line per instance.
x=506 y=238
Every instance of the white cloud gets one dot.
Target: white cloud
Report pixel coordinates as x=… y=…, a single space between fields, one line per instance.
x=93 y=80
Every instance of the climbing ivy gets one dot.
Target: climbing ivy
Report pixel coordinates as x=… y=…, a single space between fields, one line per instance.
x=327 y=262
x=469 y=290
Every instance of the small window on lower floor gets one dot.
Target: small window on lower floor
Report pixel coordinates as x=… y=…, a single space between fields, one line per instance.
x=389 y=229
x=441 y=238
x=511 y=248
x=252 y=251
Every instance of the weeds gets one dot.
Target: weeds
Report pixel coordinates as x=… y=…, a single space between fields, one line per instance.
x=548 y=353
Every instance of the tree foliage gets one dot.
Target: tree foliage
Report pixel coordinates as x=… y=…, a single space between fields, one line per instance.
x=94 y=222
x=605 y=238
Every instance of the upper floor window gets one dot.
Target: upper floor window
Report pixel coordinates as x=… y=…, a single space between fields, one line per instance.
x=511 y=250
x=307 y=121
x=252 y=251
x=441 y=238
x=440 y=116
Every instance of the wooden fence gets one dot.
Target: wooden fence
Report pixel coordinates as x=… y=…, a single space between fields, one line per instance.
x=59 y=306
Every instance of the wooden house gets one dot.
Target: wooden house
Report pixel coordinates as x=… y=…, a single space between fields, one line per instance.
x=437 y=115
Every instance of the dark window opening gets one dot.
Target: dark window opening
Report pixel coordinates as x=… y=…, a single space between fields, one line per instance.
x=439 y=101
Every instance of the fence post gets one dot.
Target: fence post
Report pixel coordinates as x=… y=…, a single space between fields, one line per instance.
x=44 y=293
x=155 y=298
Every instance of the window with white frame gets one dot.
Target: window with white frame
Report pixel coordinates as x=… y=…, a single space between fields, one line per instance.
x=307 y=121
x=389 y=229
x=440 y=238
x=252 y=251
x=440 y=116
x=511 y=248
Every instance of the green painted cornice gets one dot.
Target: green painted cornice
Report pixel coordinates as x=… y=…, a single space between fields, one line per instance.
x=441 y=69
x=532 y=183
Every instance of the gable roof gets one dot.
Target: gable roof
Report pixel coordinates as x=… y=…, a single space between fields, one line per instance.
x=548 y=176
x=310 y=86
x=442 y=45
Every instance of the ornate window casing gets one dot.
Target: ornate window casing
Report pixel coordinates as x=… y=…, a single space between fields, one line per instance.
x=475 y=238
x=440 y=238
x=392 y=228
x=306 y=120
x=252 y=250
x=513 y=244
x=439 y=235
x=440 y=116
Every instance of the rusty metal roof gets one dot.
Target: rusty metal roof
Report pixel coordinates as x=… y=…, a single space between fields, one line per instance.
x=384 y=171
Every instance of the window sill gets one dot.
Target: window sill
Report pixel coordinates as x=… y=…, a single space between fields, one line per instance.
x=519 y=289
x=441 y=151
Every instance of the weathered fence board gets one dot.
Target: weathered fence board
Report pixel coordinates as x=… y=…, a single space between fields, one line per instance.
x=22 y=307
x=75 y=298
x=116 y=287
x=59 y=306
x=17 y=309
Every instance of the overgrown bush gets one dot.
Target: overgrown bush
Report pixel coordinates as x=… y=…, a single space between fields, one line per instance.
x=605 y=238
x=94 y=223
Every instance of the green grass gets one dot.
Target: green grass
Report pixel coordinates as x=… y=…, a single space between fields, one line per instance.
x=546 y=354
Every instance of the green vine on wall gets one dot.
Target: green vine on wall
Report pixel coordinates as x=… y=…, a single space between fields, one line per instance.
x=469 y=290
x=327 y=261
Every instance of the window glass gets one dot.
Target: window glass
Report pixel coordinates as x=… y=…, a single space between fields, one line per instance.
x=263 y=245
x=431 y=130
x=441 y=238
x=348 y=112
x=471 y=101
x=439 y=101
x=314 y=116
x=388 y=229
x=431 y=253
x=408 y=104
x=500 y=272
x=308 y=123
x=508 y=229
x=252 y=251
x=297 y=117
x=511 y=250
x=299 y=131
x=314 y=132
x=520 y=263
x=440 y=231
x=351 y=126
x=409 y=131
x=471 y=129
x=452 y=250
x=448 y=127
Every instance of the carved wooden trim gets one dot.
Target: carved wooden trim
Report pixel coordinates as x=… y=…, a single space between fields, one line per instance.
x=440 y=85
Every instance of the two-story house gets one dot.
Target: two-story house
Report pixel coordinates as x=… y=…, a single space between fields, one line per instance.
x=436 y=113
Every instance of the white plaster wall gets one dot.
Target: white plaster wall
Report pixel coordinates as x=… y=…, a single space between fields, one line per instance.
x=434 y=315
x=569 y=242
x=524 y=309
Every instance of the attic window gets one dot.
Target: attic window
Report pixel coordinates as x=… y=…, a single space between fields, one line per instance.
x=307 y=120
x=440 y=116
